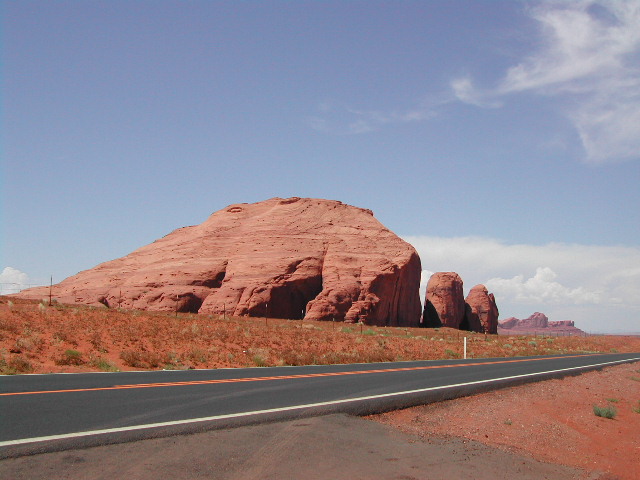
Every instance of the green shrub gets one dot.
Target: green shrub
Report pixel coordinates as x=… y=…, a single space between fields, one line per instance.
x=104 y=365
x=606 y=412
x=70 y=357
x=637 y=409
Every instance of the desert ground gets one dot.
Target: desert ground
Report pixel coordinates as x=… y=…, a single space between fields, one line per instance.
x=38 y=338
x=547 y=429
x=552 y=421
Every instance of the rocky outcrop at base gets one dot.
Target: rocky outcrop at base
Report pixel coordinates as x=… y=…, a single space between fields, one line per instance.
x=285 y=258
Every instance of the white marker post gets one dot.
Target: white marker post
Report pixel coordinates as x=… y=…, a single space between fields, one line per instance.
x=465 y=348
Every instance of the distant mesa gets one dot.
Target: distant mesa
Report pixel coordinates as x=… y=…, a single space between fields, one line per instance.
x=538 y=322
x=445 y=305
x=284 y=258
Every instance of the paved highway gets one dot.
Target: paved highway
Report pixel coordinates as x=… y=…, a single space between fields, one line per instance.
x=50 y=412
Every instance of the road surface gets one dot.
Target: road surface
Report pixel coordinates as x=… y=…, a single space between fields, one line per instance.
x=58 y=411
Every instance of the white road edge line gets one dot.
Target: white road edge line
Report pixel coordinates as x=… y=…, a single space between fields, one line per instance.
x=284 y=409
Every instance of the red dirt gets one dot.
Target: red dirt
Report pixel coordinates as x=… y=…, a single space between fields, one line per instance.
x=552 y=421
x=36 y=338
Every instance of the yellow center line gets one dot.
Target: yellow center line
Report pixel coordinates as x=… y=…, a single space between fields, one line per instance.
x=280 y=377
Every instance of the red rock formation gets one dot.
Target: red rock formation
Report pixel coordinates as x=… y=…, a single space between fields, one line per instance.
x=537 y=320
x=444 y=301
x=562 y=323
x=286 y=258
x=538 y=323
x=508 y=322
x=482 y=312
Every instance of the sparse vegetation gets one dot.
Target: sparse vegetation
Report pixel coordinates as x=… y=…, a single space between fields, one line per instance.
x=451 y=353
x=81 y=338
x=613 y=400
x=70 y=357
x=637 y=409
x=16 y=364
x=605 y=412
x=259 y=361
x=140 y=359
x=104 y=365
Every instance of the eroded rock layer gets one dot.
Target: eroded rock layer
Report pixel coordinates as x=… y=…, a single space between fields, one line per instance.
x=285 y=258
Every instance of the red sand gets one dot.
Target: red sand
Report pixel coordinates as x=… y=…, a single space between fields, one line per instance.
x=552 y=420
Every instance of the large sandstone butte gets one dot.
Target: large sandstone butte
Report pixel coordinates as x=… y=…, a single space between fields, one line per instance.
x=286 y=258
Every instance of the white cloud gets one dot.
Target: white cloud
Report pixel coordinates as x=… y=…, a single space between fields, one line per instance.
x=12 y=280
x=424 y=280
x=464 y=91
x=589 y=59
x=596 y=286
x=541 y=288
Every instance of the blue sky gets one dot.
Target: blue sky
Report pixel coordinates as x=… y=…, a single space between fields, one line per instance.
x=501 y=138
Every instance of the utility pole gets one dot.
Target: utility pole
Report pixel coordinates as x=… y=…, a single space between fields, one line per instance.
x=50 y=289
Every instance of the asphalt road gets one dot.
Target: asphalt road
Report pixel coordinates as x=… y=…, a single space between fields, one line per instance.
x=59 y=411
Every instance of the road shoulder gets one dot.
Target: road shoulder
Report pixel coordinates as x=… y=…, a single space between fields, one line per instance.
x=333 y=446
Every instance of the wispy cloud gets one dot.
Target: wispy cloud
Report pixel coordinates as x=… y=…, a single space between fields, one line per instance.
x=590 y=58
x=344 y=120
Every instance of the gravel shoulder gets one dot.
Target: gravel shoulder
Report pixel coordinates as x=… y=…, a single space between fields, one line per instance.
x=335 y=447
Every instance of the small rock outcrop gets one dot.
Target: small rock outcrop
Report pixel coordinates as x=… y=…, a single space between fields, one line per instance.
x=444 y=301
x=482 y=311
x=286 y=258
x=445 y=305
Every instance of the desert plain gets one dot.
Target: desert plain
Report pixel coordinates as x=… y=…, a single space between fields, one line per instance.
x=551 y=422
